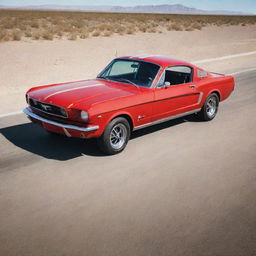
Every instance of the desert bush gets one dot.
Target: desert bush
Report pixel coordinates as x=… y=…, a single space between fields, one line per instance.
x=152 y=30
x=84 y=35
x=4 y=36
x=196 y=26
x=16 y=35
x=175 y=26
x=36 y=35
x=120 y=29
x=72 y=36
x=28 y=33
x=77 y=23
x=142 y=28
x=34 y=24
x=96 y=33
x=189 y=28
x=107 y=33
x=47 y=35
x=60 y=24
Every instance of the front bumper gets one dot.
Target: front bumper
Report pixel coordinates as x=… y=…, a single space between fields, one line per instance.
x=32 y=115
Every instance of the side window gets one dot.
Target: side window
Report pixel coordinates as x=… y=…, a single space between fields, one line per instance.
x=201 y=73
x=178 y=75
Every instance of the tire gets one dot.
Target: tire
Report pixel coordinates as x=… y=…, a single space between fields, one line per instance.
x=115 y=137
x=210 y=108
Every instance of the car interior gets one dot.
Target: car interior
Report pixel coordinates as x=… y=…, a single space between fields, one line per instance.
x=140 y=73
x=178 y=75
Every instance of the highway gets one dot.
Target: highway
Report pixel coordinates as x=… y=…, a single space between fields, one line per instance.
x=180 y=188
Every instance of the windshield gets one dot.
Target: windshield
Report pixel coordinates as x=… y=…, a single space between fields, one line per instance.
x=138 y=73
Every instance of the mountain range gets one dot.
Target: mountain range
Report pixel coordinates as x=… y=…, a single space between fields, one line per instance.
x=167 y=9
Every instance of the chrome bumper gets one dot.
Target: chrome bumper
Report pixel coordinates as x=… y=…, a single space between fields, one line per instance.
x=65 y=126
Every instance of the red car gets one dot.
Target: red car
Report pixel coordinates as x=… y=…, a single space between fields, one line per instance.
x=131 y=93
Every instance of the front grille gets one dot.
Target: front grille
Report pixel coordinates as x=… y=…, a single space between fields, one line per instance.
x=48 y=108
x=56 y=118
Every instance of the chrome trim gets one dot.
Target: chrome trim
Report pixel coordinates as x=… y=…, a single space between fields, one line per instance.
x=166 y=119
x=37 y=109
x=46 y=111
x=66 y=132
x=66 y=126
x=200 y=97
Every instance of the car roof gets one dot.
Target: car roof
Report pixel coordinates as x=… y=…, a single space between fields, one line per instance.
x=163 y=61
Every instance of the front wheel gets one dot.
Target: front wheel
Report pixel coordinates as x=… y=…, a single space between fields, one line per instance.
x=210 y=108
x=115 y=137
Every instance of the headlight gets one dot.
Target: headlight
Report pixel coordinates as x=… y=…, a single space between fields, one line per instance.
x=84 y=116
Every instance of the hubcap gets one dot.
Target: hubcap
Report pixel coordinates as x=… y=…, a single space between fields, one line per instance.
x=211 y=107
x=118 y=136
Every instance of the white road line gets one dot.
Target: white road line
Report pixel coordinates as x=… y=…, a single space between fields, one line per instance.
x=11 y=114
x=242 y=71
x=224 y=57
x=195 y=62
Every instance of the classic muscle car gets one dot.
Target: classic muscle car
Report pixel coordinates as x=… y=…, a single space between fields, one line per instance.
x=131 y=93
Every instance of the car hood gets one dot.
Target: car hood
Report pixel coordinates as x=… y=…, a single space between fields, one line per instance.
x=85 y=93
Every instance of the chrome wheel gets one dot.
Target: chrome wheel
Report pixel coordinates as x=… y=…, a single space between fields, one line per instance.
x=211 y=107
x=118 y=136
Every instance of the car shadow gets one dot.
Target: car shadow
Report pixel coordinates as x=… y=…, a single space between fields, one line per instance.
x=31 y=137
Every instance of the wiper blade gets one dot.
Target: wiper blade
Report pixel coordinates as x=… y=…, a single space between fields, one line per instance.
x=127 y=80
x=103 y=77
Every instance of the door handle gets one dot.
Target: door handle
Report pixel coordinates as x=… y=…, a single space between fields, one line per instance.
x=192 y=86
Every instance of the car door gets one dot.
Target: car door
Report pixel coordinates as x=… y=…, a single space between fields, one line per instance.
x=175 y=93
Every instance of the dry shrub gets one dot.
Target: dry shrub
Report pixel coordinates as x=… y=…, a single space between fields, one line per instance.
x=36 y=35
x=62 y=24
x=102 y=27
x=196 y=26
x=189 y=28
x=28 y=33
x=107 y=33
x=47 y=35
x=110 y=27
x=34 y=24
x=120 y=30
x=174 y=26
x=130 y=31
x=96 y=33
x=4 y=36
x=16 y=35
x=72 y=36
x=77 y=23
x=60 y=34
x=142 y=28
x=152 y=30
x=9 y=23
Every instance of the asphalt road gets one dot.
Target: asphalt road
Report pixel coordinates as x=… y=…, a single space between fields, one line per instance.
x=180 y=188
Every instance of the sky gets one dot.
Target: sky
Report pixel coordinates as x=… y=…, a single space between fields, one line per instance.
x=230 y=5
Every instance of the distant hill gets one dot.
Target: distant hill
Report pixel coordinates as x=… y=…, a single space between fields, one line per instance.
x=168 y=9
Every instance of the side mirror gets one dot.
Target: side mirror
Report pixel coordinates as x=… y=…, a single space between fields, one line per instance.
x=164 y=85
x=167 y=84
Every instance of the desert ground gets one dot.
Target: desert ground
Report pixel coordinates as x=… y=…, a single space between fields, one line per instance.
x=28 y=64
x=180 y=188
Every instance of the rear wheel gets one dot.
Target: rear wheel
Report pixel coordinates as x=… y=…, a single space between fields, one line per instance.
x=210 y=108
x=115 y=137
